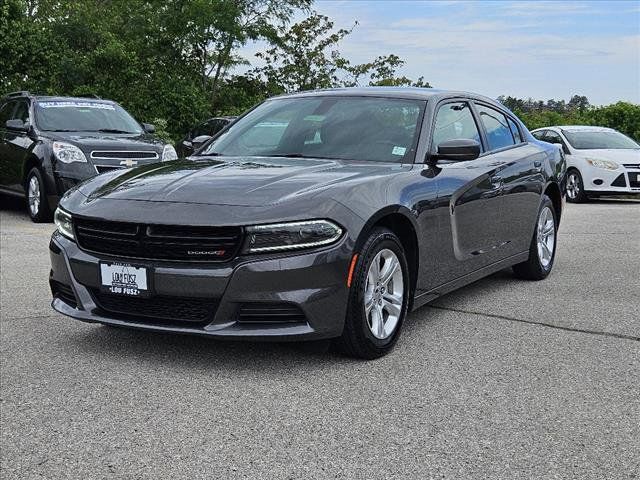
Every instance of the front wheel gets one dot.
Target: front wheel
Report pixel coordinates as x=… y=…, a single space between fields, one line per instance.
x=542 y=251
x=575 y=187
x=37 y=205
x=378 y=299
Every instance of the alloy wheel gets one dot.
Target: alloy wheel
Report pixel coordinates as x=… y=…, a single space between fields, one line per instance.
x=546 y=235
x=384 y=294
x=573 y=185
x=34 y=196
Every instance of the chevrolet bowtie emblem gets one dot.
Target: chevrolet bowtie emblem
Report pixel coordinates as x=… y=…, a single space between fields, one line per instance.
x=128 y=163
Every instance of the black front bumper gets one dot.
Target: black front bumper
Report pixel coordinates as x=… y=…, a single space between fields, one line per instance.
x=310 y=283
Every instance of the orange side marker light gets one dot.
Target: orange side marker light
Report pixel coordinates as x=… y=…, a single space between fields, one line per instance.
x=352 y=267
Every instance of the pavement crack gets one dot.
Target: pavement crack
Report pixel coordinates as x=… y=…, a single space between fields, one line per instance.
x=541 y=324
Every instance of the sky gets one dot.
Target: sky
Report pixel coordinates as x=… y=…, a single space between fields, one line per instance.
x=538 y=49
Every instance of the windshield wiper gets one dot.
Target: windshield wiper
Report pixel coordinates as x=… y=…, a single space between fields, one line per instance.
x=302 y=155
x=112 y=130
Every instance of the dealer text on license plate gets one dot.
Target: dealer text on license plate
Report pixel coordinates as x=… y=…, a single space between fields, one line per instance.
x=123 y=279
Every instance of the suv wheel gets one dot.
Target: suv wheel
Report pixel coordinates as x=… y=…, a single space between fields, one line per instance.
x=542 y=252
x=575 y=187
x=37 y=204
x=378 y=299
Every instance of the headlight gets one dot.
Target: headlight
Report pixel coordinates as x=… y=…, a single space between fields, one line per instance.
x=67 y=153
x=289 y=236
x=606 y=164
x=169 y=153
x=64 y=223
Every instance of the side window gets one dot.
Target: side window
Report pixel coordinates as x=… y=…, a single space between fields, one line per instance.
x=22 y=112
x=515 y=131
x=553 y=137
x=201 y=129
x=5 y=112
x=454 y=121
x=540 y=134
x=498 y=131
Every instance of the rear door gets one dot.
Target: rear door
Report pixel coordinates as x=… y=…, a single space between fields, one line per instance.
x=6 y=113
x=520 y=168
x=471 y=190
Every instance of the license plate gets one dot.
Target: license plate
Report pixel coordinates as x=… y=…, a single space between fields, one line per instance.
x=638 y=178
x=124 y=279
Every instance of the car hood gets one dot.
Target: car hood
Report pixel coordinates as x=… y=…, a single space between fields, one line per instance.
x=232 y=180
x=88 y=141
x=619 y=156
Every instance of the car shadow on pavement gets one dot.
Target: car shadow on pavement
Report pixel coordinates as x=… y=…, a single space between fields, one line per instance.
x=14 y=204
x=191 y=351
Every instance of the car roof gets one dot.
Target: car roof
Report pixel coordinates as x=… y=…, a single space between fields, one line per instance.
x=50 y=98
x=577 y=128
x=417 y=93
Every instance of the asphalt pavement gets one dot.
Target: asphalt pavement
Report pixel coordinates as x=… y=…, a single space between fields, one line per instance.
x=504 y=379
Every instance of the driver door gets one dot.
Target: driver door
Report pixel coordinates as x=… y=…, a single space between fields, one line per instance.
x=469 y=224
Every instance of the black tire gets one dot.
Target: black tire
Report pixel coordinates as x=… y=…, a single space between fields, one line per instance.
x=533 y=268
x=40 y=212
x=357 y=340
x=578 y=195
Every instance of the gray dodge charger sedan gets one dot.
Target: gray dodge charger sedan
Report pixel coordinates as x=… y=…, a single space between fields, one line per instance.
x=326 y=214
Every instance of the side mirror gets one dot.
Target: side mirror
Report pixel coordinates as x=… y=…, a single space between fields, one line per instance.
x=17 y=124
x=458 y=150
x=199 y=141
x=149 y=128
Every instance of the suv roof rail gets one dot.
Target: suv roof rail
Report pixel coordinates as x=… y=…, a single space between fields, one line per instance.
x=20 y=93
x=89 y=95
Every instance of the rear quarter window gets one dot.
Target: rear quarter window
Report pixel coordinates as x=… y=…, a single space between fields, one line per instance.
x=497 y=128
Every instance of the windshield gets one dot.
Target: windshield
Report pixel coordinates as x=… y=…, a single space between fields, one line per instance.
x=84 y=116
x=599 y=140
x=345 y=128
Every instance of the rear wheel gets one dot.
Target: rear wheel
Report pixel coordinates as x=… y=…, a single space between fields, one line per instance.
x=575 y=187
x=37 y=204
x=378 y=299
x=542 y=251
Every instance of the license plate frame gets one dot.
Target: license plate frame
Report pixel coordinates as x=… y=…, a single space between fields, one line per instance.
x=124 y=279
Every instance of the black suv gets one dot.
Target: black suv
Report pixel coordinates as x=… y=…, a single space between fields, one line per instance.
x=201 y=133
x=49 y=144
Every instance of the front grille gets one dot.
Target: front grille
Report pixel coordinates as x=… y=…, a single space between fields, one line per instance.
x=634 y=180
x=159 y=308
x=106 y=168
x=632 y=165
x=64 y=293
x=620 y=181
x=270 y=313
x=158 y=242
x=148 y=154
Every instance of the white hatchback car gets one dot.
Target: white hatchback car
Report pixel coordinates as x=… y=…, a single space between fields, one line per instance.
x=600 y=161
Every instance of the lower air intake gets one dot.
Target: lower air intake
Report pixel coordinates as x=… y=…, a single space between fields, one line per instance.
x=270 y=313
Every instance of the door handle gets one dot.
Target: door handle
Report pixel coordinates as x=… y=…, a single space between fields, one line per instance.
x=538 y=166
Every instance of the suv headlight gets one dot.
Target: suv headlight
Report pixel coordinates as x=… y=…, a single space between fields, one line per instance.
x=169 y=153
x=67 y=153
x=606 y=164
x=291 y=235
x=64 y=223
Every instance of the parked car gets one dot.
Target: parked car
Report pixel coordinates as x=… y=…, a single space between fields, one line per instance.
x=49 y=144
x=201 y=134
x=600 y=161
x=349 y=208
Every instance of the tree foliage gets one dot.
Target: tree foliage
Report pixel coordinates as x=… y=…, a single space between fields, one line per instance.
x=307 y=57
x=622 y=116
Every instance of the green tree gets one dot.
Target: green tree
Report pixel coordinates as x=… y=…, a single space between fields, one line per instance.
x=306 y=56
